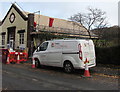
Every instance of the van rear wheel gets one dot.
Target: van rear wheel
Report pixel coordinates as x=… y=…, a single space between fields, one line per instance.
x=68 y=67
x=37 y=64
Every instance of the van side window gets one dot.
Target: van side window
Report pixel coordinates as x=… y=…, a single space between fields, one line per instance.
x=44 y=46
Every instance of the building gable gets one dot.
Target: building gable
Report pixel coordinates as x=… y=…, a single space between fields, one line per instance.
x=18 y=10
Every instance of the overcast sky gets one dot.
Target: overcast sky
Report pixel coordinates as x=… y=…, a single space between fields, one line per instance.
x=64 y=8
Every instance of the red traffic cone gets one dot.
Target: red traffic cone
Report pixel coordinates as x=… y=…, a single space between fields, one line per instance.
x=86 y=72
x=18 y=59
x=33 y=64
x=86 y=61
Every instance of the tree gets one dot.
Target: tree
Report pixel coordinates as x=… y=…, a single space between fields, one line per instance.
x=95 y=18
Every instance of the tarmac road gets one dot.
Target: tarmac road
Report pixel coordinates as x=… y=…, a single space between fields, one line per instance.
x=23 y=77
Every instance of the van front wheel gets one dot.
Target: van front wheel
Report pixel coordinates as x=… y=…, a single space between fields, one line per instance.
x=68 y=67
x=37 y=64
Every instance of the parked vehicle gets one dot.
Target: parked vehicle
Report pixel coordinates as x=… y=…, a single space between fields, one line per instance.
x=68 y=54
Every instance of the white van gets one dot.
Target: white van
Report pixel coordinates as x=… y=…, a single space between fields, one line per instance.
x=69 y=54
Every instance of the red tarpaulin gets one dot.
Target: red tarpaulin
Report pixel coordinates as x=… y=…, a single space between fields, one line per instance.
x=51 y=22
x=35 y=24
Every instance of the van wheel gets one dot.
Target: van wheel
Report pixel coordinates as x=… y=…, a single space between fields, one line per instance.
x=37 y=64
x=68 y=67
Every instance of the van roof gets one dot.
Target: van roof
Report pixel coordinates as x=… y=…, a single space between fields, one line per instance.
x=69 y=39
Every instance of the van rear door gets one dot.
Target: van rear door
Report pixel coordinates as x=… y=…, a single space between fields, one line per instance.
x=88 y=51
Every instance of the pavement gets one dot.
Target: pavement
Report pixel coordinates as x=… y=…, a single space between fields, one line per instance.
x=106 y=70
x=23 y=77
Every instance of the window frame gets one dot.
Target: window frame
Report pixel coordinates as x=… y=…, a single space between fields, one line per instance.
x=21 y=38
x=3 y=39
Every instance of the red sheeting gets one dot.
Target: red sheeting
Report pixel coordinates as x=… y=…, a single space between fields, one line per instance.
x=51 y=22
x=35 y=24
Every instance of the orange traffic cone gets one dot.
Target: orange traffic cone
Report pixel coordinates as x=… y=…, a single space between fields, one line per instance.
x=8 y=57
x=86 y=72
x=86 y=61
x=33 y=64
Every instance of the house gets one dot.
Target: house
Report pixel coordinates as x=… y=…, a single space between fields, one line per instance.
x=25 y=30
x=0 y=32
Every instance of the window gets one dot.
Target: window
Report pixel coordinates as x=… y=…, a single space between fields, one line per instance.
x=3 y=39
x=43 y=47
x=21 y=38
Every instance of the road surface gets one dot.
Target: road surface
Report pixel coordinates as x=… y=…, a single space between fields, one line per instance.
x=23 y=77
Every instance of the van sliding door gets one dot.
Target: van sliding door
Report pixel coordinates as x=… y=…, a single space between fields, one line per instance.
x=54 y=55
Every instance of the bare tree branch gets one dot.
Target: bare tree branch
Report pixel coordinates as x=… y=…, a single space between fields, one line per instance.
x=95 y=18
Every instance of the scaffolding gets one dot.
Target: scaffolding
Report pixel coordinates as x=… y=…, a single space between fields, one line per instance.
x=61 y=31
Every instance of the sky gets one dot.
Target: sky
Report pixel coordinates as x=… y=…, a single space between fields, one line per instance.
x=119 y=14
x=63 y=9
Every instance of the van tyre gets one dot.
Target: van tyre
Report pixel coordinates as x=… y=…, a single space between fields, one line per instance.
x=68 y=67
x=37 y=64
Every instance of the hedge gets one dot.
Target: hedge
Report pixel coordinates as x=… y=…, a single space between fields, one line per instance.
x=108 y=55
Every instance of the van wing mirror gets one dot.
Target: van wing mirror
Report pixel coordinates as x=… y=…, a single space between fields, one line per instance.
x=38 y=49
